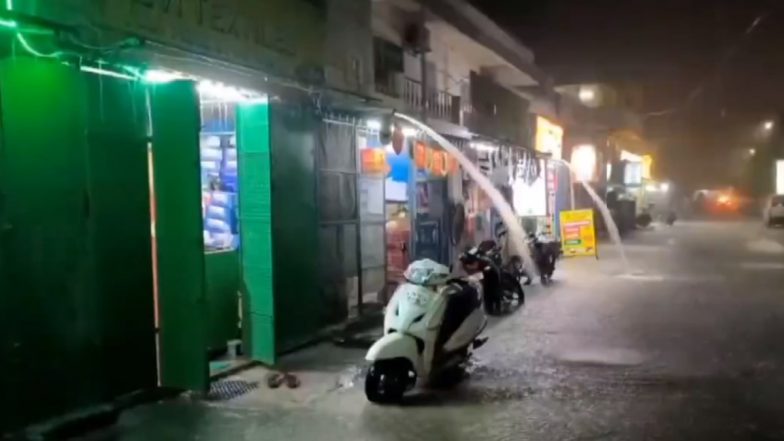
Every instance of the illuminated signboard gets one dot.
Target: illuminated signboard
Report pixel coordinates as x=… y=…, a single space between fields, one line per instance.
x=780 y=176
x=549 y=137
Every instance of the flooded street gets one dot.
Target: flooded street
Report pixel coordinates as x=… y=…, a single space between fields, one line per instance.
x=689 y=346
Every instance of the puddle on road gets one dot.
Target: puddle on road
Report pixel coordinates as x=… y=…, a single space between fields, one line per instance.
x=761 y=266
x=651 y=277
x=602 y=357
x=766 y=246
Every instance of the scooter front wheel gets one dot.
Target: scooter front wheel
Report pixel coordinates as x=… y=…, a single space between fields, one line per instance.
x=387 y=380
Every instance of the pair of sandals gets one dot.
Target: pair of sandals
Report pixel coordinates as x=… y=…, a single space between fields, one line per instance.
x=276 y=379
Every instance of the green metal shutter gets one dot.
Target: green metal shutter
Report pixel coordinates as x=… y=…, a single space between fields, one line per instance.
x=300 y=310
x=255 y=211
x=75 y=262
x=179 y=236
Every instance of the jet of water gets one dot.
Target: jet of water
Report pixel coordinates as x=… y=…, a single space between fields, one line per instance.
x=612 y=227
x=516 y=232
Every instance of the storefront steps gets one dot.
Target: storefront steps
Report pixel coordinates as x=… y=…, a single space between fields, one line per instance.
x=317 y=370
x=333 y=360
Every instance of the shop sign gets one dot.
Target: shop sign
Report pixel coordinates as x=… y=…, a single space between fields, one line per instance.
x=552 y=190
x=779 y=176
x=434 y=160
x=438 y=163
x=374 y=161
x=529 y=197
x=578 y=233
x=420 y=155
x=549 y=137
x=284 y=37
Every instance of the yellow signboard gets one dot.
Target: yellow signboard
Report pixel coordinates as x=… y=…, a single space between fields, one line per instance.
x=578 y=233
x=549 y=137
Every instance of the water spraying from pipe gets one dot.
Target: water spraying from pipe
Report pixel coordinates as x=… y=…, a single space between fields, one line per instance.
x=612 y=227
x=516 y=232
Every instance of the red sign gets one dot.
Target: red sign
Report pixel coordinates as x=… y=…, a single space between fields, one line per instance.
x=374 y=161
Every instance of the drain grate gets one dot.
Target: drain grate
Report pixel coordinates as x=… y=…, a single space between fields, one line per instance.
x=225 y=390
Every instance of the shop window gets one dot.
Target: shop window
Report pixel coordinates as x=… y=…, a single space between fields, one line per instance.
x=218 y=145
x=388 y=64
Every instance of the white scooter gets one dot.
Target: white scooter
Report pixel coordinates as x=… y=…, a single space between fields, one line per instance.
x=432 y=323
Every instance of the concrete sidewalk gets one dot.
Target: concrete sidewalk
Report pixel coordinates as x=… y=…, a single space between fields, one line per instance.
x=327 y=367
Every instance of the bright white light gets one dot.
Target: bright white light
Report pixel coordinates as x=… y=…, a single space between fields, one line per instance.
x=105 y=72
x=768 y=125
x=484 y=147
x=530 y=200
x=584 y=162
x=587 y=94
x=752 y=152
x=160 y=76
x=629 y=156
x=374 y=124
x=651 y=188
x=665 y=187
x=222 y=92
x=780 y=176
x=609 y=171
x=409 y=132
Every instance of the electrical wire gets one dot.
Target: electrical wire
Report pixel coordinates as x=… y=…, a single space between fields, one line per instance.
x=9 y=5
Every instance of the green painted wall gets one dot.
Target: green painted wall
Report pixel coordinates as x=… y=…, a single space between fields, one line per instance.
x=222 y=273
x=75 y=262
x=299 y=308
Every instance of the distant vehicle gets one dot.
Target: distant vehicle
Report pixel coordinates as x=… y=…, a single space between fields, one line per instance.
x=723 y=201
x=774 y=210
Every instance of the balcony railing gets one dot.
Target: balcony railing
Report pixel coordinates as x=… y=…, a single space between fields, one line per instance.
x=438 y=104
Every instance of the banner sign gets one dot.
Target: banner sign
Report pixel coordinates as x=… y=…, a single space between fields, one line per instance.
x=578 y=233
x=433 y=160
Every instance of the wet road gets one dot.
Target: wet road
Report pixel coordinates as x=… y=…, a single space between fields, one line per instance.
x=690 y=346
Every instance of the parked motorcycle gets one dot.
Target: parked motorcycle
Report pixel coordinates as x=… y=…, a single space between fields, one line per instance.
x=431 y=325
x=671 y=218
x=544 y=253
x=500 y=287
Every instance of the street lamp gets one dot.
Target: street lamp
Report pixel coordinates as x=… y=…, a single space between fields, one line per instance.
x=584 y=162
x=586 y=94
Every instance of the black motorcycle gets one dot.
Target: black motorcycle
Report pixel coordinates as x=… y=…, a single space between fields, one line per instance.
x=501 y=289
x=544 y=254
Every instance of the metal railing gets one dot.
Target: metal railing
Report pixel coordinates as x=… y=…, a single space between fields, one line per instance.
x=438 y=104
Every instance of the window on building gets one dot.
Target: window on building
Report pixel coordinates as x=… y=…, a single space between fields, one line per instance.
x=388 y=65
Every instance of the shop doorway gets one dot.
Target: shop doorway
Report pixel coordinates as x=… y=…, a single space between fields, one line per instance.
x=430 y=230
x=207 y=247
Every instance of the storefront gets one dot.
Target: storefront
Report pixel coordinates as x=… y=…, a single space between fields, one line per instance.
x=548 y=143
x=173 y=197
x=416 y=199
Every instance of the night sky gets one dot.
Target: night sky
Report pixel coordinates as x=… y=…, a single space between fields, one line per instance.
x=670 y=48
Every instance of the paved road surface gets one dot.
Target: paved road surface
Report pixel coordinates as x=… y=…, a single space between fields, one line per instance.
x=689 y=346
